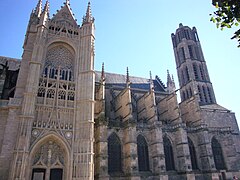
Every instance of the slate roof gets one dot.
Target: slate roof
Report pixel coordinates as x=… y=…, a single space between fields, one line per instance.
x=213 y=107
x=13 y=64
x=119 y=80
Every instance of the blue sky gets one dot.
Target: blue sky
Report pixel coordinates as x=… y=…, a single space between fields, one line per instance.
x=137 y=34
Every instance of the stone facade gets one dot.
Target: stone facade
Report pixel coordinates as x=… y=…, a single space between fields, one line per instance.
x=68 y=121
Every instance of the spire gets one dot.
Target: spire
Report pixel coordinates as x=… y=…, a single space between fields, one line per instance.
x=45 y=14
x=103 y=73
x=173 y=79
x=67 y=2
x=169 y=80
x=127 y=78
x=38 y=9
x=151 y=81
x=170 y=83
x=46 y=8
x=88 y=17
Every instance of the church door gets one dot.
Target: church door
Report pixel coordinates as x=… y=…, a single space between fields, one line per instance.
x=43 y=174
x=56 y=174
x=38 y=174
x=48 y=162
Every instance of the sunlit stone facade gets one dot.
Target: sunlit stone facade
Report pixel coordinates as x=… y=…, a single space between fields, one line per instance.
x=62 y=119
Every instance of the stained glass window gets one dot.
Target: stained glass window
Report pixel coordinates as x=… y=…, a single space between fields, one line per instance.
x=168 y=151
x=114 y=154
x=142 y=150
x=192 y=154
x=217 y=154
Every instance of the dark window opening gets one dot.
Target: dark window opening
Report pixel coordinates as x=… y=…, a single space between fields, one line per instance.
x=187 y=74
x=205 y=94
x=56 y=174
x=38 y=173
x=217 y=155
x=195 y=71
x=197 y=53
x=192 y=154
x=168 y=151
x=186 y=33
x=114 y=154
x=183 y=78
x=184 y=96
x=191 y=53
x=209 y=94
x=200 y=94
x=57 y=28
x=181 y=55
x=142 y=150
x=201 y=72
x=187 y=94
x=190 y=92
x=41 y=92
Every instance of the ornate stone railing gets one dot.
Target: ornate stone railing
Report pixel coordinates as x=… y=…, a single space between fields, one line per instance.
x=15 y=102
x=4 y=103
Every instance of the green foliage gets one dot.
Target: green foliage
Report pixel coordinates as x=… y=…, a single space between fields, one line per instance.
x=227 y=15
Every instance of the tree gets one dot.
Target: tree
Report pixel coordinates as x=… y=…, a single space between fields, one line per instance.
x=227 y=15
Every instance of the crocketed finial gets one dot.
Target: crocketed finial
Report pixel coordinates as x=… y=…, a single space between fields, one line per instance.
x=38 y=9
x=151 y=81
x=103 y=73
x=88 y=17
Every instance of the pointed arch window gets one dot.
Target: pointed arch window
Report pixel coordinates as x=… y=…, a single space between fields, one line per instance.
x=200 y=94
x=183 y=96
x=187 y=94
x=195 y=71
x=143 y=157
x=197 y=53
x=186 y=33
x=190 y=92
x=187 y=74
x=191 y=52
x=201 y=72
x=183 y=78
x=192 y=154
x=182 y=55
x=205 y=94
x=114 y=154
x=59 y=62
x=217 y=154
x=209 y=94
x=168 y=151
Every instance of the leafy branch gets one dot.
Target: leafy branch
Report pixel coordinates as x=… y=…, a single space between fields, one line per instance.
x=227 y=15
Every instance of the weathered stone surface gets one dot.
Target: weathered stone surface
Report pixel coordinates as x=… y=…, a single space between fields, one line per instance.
x=64 y=113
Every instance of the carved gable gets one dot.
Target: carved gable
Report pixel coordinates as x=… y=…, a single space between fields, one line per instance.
x=65 y=16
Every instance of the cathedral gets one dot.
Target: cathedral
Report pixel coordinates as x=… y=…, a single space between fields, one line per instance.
x=60 y=119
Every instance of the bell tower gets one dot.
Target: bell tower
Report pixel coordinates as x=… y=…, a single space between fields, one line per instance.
x=191 y=66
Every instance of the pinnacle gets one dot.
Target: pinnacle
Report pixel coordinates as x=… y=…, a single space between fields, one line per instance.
x=127 y=77
x=88 y=17
x=68 y=2
x=46 y=7
x=103 y=72
x=38 y=9
x=151 y=81
x=150 y=73
x=169 y=79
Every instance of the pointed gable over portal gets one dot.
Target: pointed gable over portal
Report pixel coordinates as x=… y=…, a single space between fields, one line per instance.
x=65 y=15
